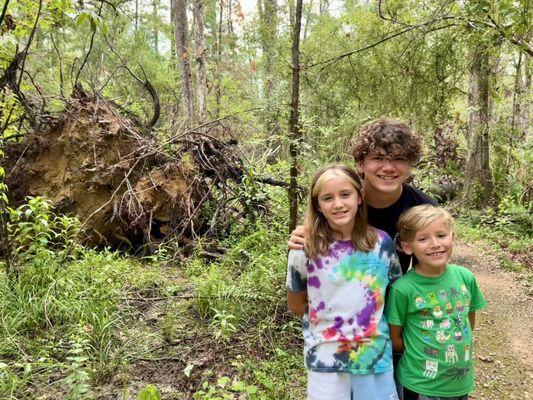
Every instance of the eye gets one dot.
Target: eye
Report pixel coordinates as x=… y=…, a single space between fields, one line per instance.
x=421 y=239
x=399 y=159
x=325 y=198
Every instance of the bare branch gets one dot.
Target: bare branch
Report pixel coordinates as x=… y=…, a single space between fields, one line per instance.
x=4 y=10
x=382 y=40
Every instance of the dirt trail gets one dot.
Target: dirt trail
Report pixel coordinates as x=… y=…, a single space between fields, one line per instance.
x=504 y=330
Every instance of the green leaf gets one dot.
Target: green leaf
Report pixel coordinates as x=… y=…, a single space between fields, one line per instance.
x=150 y=392
x=238 y=386
x=223 y=381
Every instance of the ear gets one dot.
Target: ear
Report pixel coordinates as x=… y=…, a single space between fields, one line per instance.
x=360 y=167
x=406 y=248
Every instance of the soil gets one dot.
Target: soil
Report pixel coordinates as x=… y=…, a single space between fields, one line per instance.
x=503 y=337
x=102 y=166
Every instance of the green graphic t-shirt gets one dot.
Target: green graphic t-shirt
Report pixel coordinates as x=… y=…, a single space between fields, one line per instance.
x=436 y=330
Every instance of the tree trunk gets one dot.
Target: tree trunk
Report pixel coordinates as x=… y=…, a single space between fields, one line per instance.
x=524 y=121
x=267 y=10
x=478 y=185
x=182 y=53
x=155 y=18
x=136 y=15
x=294 y=128
x=218 y=73
x=201 y=64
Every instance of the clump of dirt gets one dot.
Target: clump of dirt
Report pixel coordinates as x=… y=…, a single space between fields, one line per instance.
x=98 y=165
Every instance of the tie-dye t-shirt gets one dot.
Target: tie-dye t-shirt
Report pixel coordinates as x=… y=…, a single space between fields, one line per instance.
x=344 y=328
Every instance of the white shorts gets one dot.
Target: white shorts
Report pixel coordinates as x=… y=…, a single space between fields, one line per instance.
x=345 y=386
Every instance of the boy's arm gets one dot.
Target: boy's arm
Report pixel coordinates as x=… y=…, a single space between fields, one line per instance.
x=397 y=338
x=472 y=319
x=297 y=302
x=297 y=239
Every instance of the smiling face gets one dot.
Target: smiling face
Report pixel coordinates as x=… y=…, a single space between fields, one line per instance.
x=384 y=173
x=432 y=246
x=338 y=201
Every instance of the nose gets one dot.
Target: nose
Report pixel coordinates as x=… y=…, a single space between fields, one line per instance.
x=433 y=241
x=387 y=164
x=337 y=203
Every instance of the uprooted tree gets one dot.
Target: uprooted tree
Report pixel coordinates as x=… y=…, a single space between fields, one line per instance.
x=125 y=186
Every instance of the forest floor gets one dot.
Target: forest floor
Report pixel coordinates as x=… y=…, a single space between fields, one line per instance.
x=503 y=337
x=502 y=350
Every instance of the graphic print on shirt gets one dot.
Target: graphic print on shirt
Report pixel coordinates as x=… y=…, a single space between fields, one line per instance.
x=432 y=367
x=451 y=354
x=444 y=322
x=467 y=353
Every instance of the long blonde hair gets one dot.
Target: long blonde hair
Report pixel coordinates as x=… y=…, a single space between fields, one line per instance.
x=319 y=233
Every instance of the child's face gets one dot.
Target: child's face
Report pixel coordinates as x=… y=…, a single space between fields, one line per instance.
x=432 y=245
x=384 y=173
x=338 y=201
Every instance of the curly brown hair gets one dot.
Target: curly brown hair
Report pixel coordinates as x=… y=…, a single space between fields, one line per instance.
x=393 y=136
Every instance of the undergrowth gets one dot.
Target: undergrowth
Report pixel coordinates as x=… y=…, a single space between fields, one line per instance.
x=62 y=308
x=508 y=229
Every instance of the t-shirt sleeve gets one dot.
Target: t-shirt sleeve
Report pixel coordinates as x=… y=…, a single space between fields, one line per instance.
x=396 y=307
x=394 y=268
x=477 y=300
x=296 y=271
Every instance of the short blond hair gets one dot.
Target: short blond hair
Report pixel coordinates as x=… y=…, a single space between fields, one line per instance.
x=418 y=217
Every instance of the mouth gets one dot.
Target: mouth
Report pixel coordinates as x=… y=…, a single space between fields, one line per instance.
x=340 y=213
x=387 y=178
x=437 y=254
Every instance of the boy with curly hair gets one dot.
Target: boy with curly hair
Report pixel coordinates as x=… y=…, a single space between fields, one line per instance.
x=384 y=151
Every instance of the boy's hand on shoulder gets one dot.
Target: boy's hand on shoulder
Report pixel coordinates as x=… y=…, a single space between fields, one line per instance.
x=297 y=239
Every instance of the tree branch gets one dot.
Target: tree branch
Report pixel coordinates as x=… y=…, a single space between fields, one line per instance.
x=4 y=10
x=382 y=40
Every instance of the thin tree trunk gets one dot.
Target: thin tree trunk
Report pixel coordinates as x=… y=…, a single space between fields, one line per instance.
x=307 y=18
x=294 y=128
x=136 y=15
x=218 y=79
x=267 y=10
x=182 y=52
x=515 y=133
x=201 y=64
x=155 y=17
x=525 y=123
x=478 y=186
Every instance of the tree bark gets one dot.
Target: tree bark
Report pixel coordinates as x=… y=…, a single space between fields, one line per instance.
x=201 y=63
x=218 y=73
x=478 y=185
x=179 y=12
x=294 y=128
x=267 y=10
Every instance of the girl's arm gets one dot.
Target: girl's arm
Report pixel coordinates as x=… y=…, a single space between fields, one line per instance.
x=472 y=319
x=397 y=338
x=297 y=302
